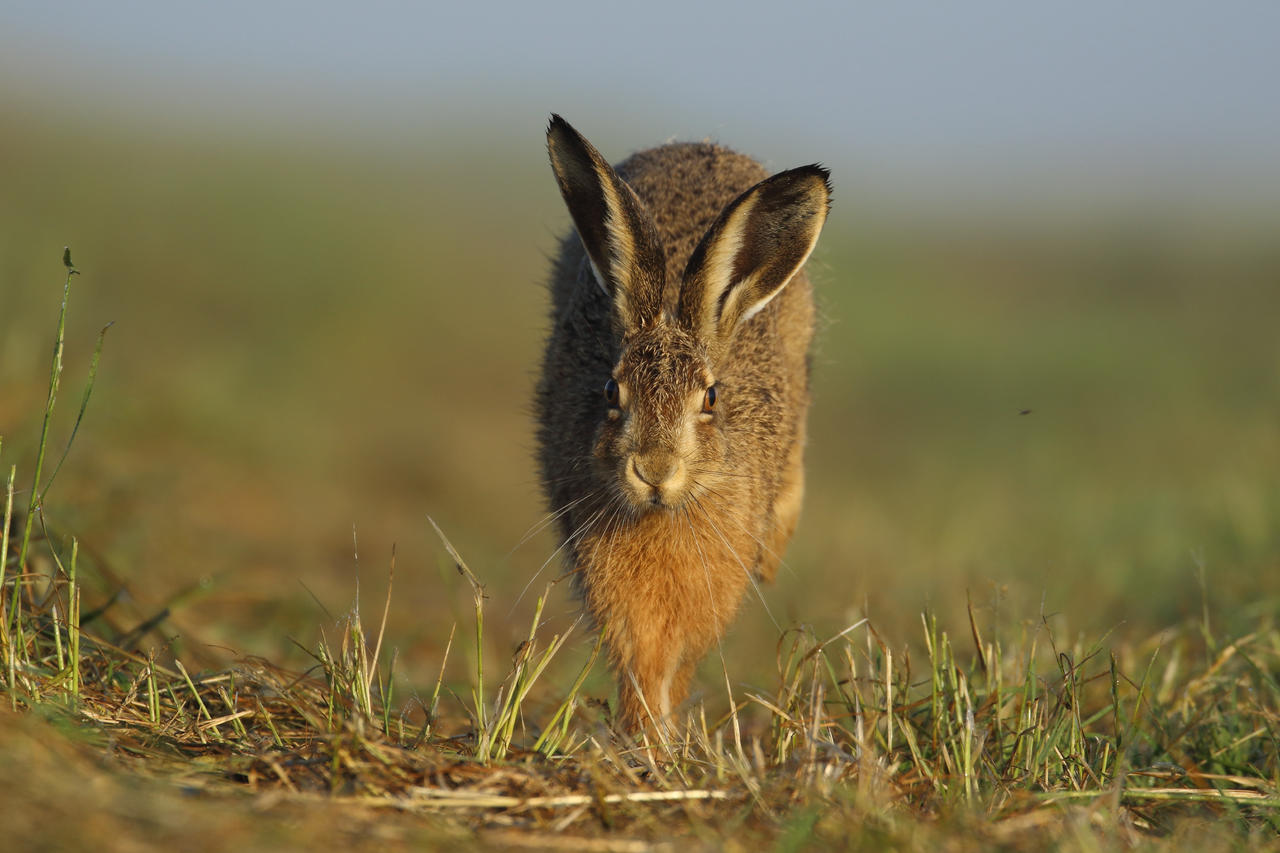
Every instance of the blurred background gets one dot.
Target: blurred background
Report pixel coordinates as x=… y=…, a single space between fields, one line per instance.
x=1047 y=378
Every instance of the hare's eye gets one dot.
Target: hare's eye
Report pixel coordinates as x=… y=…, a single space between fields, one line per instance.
x=709 y=399
x=611 y=392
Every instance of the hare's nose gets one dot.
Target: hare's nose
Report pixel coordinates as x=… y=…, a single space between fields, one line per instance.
x=657 y=470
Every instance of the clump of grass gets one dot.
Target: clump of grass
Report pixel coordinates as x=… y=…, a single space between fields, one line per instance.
x=855 y=743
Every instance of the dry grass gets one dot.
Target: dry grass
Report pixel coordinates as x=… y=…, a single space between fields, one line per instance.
x=1034 y=743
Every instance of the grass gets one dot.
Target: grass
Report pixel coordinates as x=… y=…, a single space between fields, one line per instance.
x=1036 y=741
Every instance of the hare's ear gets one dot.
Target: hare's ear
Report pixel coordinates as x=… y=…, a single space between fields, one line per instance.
x=752 y=250
x=616 y=230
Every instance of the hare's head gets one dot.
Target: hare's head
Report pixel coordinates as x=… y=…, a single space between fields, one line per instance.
x=666 y=419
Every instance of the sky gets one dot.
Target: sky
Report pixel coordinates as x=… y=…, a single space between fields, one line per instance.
x=1158 y=92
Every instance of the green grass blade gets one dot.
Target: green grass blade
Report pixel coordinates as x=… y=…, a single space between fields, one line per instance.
x=84 y=404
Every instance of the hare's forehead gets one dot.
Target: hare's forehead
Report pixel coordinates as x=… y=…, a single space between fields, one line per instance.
x=664 y=357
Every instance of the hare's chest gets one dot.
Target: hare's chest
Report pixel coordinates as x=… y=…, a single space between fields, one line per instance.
x=669 y=574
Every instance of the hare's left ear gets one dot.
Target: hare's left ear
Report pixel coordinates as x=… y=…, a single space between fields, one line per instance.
x=752 y=250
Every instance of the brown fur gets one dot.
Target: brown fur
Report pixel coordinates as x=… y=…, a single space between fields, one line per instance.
x=666 y=511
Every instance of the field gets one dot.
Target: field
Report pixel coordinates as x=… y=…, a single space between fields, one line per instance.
x=1043 y=465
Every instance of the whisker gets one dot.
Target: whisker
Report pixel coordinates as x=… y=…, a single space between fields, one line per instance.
x=781 y=562
x=546 y=520
x=570 y=538
x=751 y=578
x=609 y=530
x=745 y=475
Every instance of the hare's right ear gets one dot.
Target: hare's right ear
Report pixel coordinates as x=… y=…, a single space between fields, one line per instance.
x=751 y=251
x=617 y=231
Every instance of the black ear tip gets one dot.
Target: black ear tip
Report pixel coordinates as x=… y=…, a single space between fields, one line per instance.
x=820 y=172
x=804 y=176
x=559 y=127
x=813 y=170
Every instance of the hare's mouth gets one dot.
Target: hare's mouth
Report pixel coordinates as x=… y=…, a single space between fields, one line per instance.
x=652 y=500
x=660 y=503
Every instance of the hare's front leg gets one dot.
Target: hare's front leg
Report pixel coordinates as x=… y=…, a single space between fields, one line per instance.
x=649 y=677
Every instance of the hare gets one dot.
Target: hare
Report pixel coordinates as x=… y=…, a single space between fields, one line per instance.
x=674 y=389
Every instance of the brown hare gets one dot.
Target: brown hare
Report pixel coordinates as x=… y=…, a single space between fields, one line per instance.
x=671 y=407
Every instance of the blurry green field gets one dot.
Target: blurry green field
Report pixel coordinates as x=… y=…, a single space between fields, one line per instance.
x=1080 y=420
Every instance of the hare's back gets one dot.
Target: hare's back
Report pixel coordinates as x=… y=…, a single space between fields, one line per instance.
x=685 y=186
